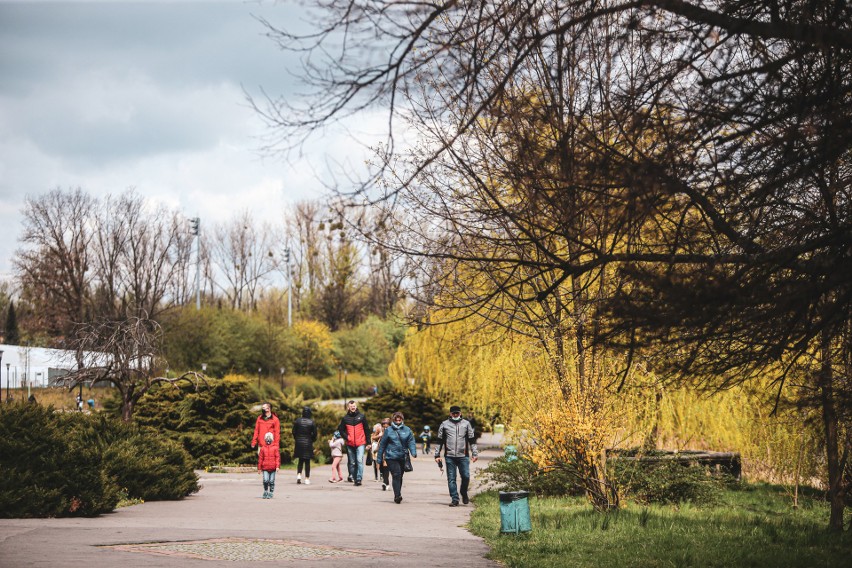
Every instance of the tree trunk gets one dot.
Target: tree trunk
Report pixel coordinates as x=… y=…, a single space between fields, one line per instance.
x=830 y=421
x=127 y=410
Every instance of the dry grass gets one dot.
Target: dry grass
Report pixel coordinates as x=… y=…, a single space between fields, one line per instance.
x=60 y=398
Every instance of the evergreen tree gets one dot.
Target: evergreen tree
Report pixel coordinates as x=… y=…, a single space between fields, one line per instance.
x=12 y=334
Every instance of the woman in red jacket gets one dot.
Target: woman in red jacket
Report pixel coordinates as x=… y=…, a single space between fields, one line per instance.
x=266 y=422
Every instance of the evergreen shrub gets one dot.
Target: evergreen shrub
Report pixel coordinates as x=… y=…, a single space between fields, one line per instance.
x=74 y=464
x=419 y=409
x=151 y=468
x=45 y=471
x=145 y=464
x=666 y=481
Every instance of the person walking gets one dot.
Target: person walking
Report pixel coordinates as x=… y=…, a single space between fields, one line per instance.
x=396 y=442
x=268 y=462
x=305 y=434
x=426 y=439
x=355 y=432
x=456 y=437
x=374 y=449
x=267 y=422
x=377 y=438
x=336 y=445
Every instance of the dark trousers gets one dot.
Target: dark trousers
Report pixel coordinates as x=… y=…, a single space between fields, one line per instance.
x=307 y=466
x=396 y=471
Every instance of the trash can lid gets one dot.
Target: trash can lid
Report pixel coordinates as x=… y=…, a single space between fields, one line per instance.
x=509 y=496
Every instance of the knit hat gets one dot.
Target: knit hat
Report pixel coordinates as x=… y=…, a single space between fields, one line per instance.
x=455 y=409
x=337 y=434
x=306 y=412
x=269 y=437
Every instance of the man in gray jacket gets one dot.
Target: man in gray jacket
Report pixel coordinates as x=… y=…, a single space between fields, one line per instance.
x=456 y=438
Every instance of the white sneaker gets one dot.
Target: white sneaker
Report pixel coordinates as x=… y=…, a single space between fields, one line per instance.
x=298 y=478
x=307 y=481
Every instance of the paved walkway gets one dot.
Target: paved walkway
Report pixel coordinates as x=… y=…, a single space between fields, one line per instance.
x=228 y=524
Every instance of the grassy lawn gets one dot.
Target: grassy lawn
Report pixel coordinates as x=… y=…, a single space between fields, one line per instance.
x=752 y=526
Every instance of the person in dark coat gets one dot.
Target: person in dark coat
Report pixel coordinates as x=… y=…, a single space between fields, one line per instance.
x=305 y=434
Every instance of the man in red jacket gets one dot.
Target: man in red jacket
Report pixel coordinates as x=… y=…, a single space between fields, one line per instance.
x=355 y=432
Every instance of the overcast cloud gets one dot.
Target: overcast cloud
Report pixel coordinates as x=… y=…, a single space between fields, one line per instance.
x=107 y=95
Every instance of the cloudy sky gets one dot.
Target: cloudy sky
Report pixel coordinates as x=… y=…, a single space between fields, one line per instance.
x=108 y=95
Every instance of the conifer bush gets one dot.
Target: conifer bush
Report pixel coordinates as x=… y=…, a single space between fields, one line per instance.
x=666 y=482
x=46 y=471
x=419 y=409
x=74 y=464
x=215 y=424
x=150 y=467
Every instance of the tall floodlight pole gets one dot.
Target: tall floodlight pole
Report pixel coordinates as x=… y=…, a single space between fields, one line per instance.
x=195 y=227
x=289 y=288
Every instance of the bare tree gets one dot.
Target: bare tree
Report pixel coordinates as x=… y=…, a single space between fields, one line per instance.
x=125 y=353
x=138 y=254
x=717 y=135
x=243 y=253
x=55 y=264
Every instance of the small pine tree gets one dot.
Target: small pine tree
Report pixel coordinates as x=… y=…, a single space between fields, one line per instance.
x=11 y=333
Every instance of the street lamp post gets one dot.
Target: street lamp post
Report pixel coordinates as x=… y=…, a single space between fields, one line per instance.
x=204 y=367
x=8 y=378
x=258 y=377
x=289 y=288
x=282 y=378
x=195 y=229
x=1 y=376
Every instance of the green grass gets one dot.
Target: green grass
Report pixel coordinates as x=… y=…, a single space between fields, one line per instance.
x=751 y=526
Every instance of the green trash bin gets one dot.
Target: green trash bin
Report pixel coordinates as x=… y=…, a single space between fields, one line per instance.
x=515 y=512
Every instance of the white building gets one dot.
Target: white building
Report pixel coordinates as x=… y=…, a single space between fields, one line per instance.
x=34 y=366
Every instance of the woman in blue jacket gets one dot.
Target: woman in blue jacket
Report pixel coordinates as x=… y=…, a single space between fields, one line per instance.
x=396 y=441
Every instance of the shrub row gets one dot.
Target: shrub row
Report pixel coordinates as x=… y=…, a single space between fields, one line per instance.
x=74 y=464
x=658 y=482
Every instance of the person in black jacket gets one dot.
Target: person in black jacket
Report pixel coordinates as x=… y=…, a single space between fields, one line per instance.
x=305 y=434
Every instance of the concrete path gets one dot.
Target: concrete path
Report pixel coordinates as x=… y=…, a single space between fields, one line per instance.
x=228 y=524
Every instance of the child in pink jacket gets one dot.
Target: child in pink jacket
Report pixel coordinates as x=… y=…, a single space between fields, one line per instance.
x=336 y=445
